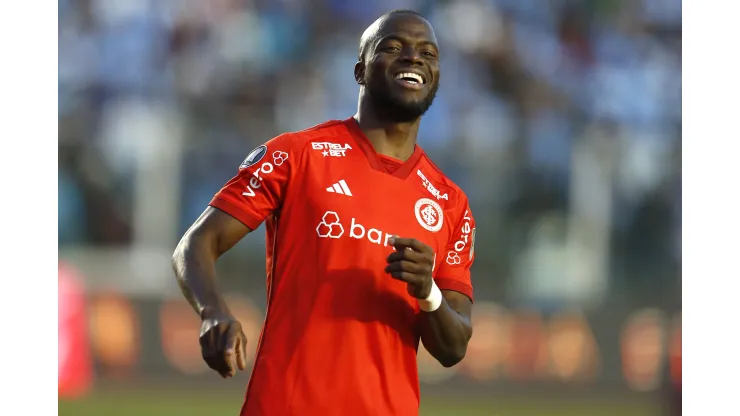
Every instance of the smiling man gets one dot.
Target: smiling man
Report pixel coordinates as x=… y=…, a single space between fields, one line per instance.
x=369 y=248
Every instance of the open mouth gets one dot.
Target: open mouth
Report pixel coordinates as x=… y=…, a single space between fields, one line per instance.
x=410 y=79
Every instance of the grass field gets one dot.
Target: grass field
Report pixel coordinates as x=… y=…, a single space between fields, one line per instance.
x=159 y=403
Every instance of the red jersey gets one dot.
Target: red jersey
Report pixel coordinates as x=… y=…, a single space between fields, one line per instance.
x=341 y=335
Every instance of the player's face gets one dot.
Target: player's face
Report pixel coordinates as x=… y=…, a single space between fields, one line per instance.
x=402 y=68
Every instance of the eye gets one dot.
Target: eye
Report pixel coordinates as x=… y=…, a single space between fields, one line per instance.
x=391 y=48
x=429 y=54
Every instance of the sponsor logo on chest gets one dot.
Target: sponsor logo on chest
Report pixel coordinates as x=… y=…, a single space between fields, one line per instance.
x=429 y=187
x=331 y=149
x=427 y=212
x=331 y=227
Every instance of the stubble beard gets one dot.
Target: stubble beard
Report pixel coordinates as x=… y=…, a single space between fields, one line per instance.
x=395 y=109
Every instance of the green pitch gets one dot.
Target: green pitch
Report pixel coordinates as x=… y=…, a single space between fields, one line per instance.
x=153 y=403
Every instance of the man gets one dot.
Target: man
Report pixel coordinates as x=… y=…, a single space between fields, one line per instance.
x=369 y=248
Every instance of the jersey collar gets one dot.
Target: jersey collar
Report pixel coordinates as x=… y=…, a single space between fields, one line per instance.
x=372 y=156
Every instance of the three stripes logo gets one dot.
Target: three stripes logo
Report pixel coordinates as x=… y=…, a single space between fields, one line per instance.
x=340 y=188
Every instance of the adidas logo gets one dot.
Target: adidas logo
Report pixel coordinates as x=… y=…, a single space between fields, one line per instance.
x=340 y=188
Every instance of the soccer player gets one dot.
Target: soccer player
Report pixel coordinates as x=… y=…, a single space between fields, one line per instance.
x=369 y=248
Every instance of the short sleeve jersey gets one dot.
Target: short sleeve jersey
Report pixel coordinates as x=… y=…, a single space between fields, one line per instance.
x=341 y=335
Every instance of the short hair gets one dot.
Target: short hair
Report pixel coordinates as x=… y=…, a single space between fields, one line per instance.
x=371 y=33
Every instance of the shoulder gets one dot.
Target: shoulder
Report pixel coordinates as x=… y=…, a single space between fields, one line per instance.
x=442 y=185
x=291 y=145
x=324 y=131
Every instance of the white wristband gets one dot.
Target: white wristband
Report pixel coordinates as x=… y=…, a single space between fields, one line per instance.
x=433 y=301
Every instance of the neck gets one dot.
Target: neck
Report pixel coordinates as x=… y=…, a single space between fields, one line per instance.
x=397 y=140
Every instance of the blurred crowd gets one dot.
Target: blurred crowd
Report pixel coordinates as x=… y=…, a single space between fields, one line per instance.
x=560 y=118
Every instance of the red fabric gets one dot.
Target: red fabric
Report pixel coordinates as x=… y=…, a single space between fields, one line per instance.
x=340 y=336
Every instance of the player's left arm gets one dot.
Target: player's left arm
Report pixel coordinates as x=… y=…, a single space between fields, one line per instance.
x=446 y=331
x=447 y=300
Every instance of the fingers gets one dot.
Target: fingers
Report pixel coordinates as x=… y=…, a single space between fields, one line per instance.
x=231 y=340
x=412 y=273
x=411 y=278
x=396 y=268
x=411 y=262
x=241 y=352
x=223 y=347
x=409 y=255
x=402 y=243
x=214 y=359
x=209 y=345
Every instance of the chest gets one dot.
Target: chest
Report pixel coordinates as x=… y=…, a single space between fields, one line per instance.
x=352 y=203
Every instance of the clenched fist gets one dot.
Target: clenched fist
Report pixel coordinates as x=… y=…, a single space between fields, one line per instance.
x=413 y=263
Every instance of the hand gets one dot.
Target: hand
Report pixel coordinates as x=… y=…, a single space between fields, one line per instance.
x=412 y=262
x=223 y=344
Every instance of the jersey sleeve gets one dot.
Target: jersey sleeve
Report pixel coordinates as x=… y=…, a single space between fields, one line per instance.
x=453 y=272
x=258 y=189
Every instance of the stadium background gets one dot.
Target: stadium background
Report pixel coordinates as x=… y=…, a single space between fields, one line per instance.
x=560 y=118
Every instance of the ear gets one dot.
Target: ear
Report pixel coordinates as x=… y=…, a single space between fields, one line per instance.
x=360 y=72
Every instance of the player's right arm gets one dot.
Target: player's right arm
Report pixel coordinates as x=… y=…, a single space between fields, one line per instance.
x=256 y=192
x=194 y=260
x=222 y=340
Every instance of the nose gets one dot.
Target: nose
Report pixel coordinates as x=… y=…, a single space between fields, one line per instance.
x=411 y=56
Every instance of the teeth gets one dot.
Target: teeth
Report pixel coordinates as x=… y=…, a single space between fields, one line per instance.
x=410 y=76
